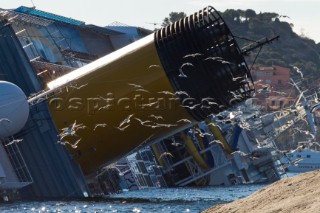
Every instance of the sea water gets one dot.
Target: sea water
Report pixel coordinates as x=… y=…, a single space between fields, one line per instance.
x=175 y=200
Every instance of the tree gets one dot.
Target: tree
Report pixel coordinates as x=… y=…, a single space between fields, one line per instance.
x=250 y=13
x=173 y=17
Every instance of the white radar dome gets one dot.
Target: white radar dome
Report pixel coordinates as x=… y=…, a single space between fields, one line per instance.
x=14 y=109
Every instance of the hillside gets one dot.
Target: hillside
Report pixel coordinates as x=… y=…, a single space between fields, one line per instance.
x=290 y=50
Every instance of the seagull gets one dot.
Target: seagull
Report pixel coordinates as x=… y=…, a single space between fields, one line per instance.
x=218 y=59
x=209 y=102
x=237 y=78
x=152 y=126
x=40 y=73
x=211 y=124
x=201 y=132
x=122 y=128
x=309 y=133
x=106 y=99
x=280 y=93
x=126 y=120
x=192 y=55
x=5 y=119
x=164 y=154
x=224 y=62
x=149 y=104
x=298 y=71
x=14 y=141
x=216 y=142
x=186 y=64
x=316 y=99
x=166 y=93
x=76 y=143
x=72 y=145
x=137 y=86
x=182 y=75
x=213 y=58
x=104 y=107
x=71 y=130
x=156 y=117
x=142 y=90
x=284 y=16
x=176 y=144
x=78 y=87
x=207 y=99
x=155 y=166
x=184 y=120
x=166 y=125
x=235 y=95
x=182 y=93
x=205 y=134
x=265 y=89
x=245 y=125
x=234 y=100
x=141 y=121
x=191 y=107
x=153 y=66
x=100 y=125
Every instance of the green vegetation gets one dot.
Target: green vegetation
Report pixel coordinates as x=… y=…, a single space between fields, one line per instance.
x=173 y=17
x=290 y=50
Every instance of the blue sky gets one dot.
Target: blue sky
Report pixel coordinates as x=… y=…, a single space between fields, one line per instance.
x=304 y=14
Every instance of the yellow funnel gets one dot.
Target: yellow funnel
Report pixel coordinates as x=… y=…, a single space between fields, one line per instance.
x=141 y=92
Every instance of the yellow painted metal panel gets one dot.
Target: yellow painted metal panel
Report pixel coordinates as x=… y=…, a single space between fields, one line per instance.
x=193 y=151
x=112 y=84
x=218 y=135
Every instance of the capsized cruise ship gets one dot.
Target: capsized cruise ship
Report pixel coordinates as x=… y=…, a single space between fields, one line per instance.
x=82 y=119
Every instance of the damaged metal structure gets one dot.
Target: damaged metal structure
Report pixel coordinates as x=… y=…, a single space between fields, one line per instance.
x=71 y=71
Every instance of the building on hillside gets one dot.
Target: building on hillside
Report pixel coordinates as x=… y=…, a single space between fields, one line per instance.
x=273 y=88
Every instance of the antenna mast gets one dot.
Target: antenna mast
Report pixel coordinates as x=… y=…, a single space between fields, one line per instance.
x=32 y=4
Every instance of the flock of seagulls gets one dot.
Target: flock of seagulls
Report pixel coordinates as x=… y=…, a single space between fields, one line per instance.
x=154 y=121
x=216 y=59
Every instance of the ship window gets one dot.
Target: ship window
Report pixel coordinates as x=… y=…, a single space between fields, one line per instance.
x=308 y=156
x=298 y=156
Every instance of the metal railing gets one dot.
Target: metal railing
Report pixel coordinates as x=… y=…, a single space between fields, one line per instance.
x=17 y=161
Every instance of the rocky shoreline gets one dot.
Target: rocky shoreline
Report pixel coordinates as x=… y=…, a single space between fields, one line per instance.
x=297 y=194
